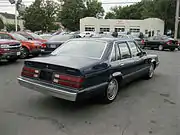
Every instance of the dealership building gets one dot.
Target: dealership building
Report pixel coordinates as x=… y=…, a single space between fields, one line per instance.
x=145 y=26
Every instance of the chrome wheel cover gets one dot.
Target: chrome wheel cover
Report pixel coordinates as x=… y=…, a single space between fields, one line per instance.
x=151 y=71
x=112 y=89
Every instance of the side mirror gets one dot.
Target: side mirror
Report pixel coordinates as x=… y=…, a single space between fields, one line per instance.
x=29 y=38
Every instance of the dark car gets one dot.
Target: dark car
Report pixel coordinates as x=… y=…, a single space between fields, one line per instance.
x=82 y=68
x=55 y=41
x=9 y=49
x=138 y=40
x=161 y=42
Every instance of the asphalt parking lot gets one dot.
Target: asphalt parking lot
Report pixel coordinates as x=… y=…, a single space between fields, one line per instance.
x=143 y=107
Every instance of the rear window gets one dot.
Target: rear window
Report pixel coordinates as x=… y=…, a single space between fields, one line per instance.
x=92 y=49
x=35 y=36
x=61 y=38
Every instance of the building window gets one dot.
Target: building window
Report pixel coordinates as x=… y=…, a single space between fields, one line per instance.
x=135 y=30
x=119 y=29
x=146 y=31
x=89 y=29
x=104 y=29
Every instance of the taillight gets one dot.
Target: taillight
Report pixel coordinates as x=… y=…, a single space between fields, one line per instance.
x=169 y=42
x=142 y=41
x=29 y=72
x=67 y=80
x=43 y=45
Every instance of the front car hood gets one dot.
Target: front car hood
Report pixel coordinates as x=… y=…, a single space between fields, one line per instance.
x=4 y=41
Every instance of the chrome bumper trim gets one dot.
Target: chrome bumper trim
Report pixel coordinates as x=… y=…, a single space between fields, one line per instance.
x=71 y=96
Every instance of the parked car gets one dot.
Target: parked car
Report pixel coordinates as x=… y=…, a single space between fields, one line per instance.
x=161 y=42
x=29 y=47
x=82 y=68
x=32 y=36
x=9 y=49
x=46 y=36
x=55 y=41
x=138 y=40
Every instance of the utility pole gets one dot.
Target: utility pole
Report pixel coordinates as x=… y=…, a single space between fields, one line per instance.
x=176 y=19
x=16 y=26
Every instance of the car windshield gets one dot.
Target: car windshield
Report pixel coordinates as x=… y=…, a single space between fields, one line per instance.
x=35 y=36
x=82 y=48
x=19 y=37
x=61 y=38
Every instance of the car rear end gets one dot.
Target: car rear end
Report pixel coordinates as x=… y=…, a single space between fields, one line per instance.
x=171 y=44
x=58 y=81
x=9 y=49
x=49 y=47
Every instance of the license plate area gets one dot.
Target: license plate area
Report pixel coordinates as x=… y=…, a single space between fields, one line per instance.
x=45 y=75
x=52 y=46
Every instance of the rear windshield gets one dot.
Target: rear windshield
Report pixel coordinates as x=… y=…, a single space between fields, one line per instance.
x=35 y=36
x=91 y=49
x=61 y=38
x=19 y=37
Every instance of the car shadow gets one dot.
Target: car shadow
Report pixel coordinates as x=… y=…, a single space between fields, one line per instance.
x=7 y=63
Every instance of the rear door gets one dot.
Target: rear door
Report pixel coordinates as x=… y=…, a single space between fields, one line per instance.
x=140 y=64
x=119 y=65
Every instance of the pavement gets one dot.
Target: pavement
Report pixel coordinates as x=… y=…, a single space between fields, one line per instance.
x=143 y=107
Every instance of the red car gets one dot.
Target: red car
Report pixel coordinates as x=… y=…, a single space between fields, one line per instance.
x=32 y=36
x=29 y=47
x=9 y=49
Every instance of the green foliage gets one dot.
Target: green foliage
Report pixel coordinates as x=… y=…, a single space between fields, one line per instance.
x=74 y=10
x=41 y=15
x=11 y=27
x=163 y=9
x=1 y=24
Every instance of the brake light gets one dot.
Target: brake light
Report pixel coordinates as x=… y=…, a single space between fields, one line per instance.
x=142 y=41
x=43 y=45
x=169 y=42
x=67 y=80
x=29 y=72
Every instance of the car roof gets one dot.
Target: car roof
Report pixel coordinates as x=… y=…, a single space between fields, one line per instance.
x=109 y=40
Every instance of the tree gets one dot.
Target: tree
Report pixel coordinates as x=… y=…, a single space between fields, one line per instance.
x=74 y=10
x=41 y=15
x=163 y=9
x=1 y=24
x=93 y=7
x=11 y=27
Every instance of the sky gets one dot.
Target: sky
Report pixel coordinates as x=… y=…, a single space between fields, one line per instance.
x=5 y=6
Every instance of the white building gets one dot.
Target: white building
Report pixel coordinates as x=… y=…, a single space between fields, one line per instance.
x=10 y=19
x=134 y=26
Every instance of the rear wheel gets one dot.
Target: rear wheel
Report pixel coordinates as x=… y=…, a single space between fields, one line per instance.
x=161 y=48
x=172 y=49
x=111 y=91
x=24 y=53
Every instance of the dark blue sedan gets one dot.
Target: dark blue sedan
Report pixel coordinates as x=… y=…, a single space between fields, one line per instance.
x=83 y=68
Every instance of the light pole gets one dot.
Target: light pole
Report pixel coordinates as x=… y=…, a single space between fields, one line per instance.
x=16 y=28
x=176 y=19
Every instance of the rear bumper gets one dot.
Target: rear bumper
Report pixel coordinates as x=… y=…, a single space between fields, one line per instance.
x=63 y=93
x=171 y=46
x=35 y=51
x=46 y=51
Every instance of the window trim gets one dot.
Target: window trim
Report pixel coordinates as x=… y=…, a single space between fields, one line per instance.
x=137 y=47
x=116 y=43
